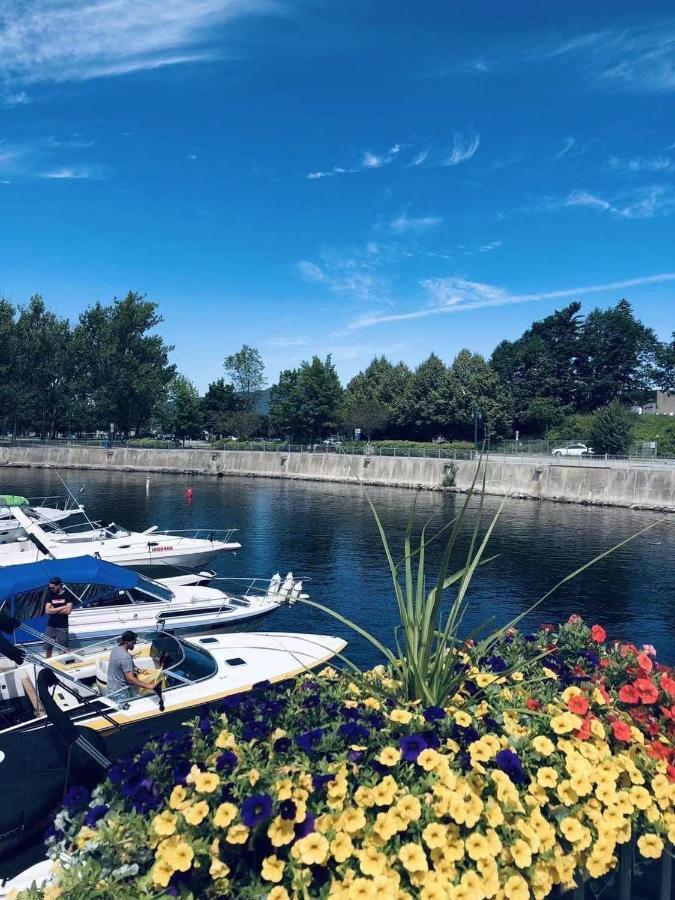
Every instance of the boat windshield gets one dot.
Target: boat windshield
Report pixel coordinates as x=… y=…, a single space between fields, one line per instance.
x=147 y=586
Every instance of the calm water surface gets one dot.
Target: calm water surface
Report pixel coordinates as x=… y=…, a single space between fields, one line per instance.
x=325 y=533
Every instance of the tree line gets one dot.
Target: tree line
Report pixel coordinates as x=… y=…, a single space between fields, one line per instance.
x=111 y=369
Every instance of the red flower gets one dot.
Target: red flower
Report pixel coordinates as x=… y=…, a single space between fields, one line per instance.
x=645 y=662
x=628 y=693
x=653 y=729
x=658 y=750
x=621 y=731
x=532 y=703
x=584 y=732
x=578 y=705
x=627 y=648
x=603 y=691
x=546 y=627
x=668 y=684
x=574 y=619
x=598 y=634
x=671 y=773
x=604 y=663
x=649 y=693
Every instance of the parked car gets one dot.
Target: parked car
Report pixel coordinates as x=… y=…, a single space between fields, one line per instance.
x=574 y=449
x=332 y=442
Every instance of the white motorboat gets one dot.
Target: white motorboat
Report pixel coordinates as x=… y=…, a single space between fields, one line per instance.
x=46 y=510
x=109 y=599
x=54 y=716
x=115 y=544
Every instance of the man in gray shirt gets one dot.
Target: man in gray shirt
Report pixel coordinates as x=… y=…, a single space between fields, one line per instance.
x=121 y=670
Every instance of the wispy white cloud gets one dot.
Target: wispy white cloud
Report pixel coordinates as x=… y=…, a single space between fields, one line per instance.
x=404 y=223
x=644 y=203
x=354 y=277
x=310 y=271
x=455 y=295
x=491 y=245
x=638 y=58
x=285 y=342
x=47 y=41
x=16 y=98
x=463 y=147
x=566 y=148
x=643 y=164
x=66 y=173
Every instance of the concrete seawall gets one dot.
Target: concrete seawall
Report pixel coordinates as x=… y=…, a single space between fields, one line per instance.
x=629 y=486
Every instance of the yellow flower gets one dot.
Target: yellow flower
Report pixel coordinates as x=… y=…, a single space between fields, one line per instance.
x=483 y=679
x=402 y=716
x=226 y=741
x=341 y=847
x=177 y=853
x=371 y=703
x=409 y=808
x=543 y=745
x=272 y=869
x=253 y=777
x=389 y=756
x=178 y=797
x=477 y=846
x=517 y=676
x=281 y=832
x=516 y=888
x=435 y=835
x=361 y=889
x=278 y=893
x=549 y=673
x=567 y=793
x=565 y=722
x=164 y=823
x=371 y=861
x=218 y=869
x=161 y=873
x=363 y=796
x=547 y=777
x=521 y=853
x=352 y=820
x=237 y=834
x=571 y=828
x=196 y=813
x=85 y=835
x=224 y=815
x=385 y=791
x=311 y=850
x=413 y=858
x=463 y=719
x=428 y=759
x=650 y=846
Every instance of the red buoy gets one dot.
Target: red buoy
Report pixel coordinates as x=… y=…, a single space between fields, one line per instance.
x=188 y=495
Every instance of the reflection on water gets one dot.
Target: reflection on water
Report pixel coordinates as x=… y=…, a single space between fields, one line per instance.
x=326 y=534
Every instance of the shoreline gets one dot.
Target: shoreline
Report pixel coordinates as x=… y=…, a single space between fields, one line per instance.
x=627 y=486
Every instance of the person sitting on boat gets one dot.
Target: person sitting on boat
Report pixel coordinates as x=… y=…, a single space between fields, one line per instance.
x=58 y=607
x=122 y=673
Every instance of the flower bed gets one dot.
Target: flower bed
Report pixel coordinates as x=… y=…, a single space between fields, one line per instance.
x=557 y=750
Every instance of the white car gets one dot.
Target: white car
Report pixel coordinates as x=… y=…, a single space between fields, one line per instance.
x=576 y=449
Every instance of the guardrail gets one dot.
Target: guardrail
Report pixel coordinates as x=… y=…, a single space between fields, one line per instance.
x=363 y=449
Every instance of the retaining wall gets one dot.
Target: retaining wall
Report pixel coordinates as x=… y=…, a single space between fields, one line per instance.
x=615 y=485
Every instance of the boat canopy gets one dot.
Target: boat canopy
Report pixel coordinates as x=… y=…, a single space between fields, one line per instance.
x=78 y=570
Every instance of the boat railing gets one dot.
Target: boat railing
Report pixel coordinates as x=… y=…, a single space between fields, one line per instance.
x=64 y=504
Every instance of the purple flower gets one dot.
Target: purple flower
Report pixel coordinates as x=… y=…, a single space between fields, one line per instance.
x=510 y=762
x=411 y=746
x=309 y=739
x=95 y=813
x=75 y=798
x=497 y=664
x=287 y=809
x=226 y=761
x=282 y=745
x=302 y=829
x=256 y=809
x=434 y=714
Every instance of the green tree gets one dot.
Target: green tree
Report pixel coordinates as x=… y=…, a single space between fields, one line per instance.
x=123 y=370
x=182 y=412
x=284 y=413
x=218 y=404
x=367 y=413
x=246 y=371
x=611 y=429
x=243 y=424
x=319 y=392
x=664 y=374
x=616 y=357
x=8 y=387
x=476 y=388
x=428 y=403
x=381 y=385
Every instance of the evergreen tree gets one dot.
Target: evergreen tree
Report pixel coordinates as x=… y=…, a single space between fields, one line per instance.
x=428 y=404
x=218 y=405
x=664 y=374
x=182 y=414
x=477 y=389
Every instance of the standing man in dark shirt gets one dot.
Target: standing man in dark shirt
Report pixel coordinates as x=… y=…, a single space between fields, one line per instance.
x=58 y=607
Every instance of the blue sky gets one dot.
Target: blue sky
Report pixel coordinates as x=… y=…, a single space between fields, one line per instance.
x=353 y=178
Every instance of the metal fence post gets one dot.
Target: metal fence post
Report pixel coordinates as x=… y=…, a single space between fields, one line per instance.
x=625 y=870
x=666 y=873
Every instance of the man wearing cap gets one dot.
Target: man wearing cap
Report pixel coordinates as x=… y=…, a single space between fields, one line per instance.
x=58 y=607
x=121 y=670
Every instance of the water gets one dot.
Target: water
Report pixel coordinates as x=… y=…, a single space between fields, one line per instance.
x=325 y=533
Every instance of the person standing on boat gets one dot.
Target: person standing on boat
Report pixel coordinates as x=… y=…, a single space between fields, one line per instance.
x=58 y=607
x=122 y=675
